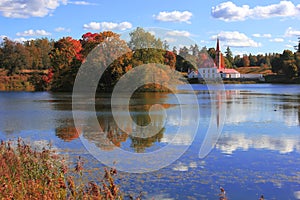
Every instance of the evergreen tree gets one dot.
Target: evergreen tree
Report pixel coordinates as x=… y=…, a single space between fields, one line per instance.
x=297 y=47
x=229 y=57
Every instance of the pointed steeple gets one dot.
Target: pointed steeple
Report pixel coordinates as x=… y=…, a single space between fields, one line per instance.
x=218 y=45
x=218 y=58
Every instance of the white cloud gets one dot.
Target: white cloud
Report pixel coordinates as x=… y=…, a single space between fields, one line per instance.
x=179 y=33
x=293 y=42
x=290 y=32
x=82 y=3
x=92 y=26
x=289 y=46
x=170 y=39
x=29 y=8
x=33 y=33
x=204 y=42
x=22 y=39
x=240 y=53
x=2 y=37
x=34 y=8
x=62 y=29
x=258 y=35
x=174 y=16
x=236 y=39
x=228 y=11
x=152 y=33
x=107 y=26
x=277 y=40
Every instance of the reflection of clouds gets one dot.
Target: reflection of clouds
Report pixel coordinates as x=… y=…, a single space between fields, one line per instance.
x=247 y=107
x=180 y=139
x=181 y=167
x=297 y=194
x=284 y=144
x=176 y=118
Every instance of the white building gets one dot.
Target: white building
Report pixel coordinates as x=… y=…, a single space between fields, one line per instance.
x=213 y=69
x=209 y=73
x=229 y=73
x=193 y=74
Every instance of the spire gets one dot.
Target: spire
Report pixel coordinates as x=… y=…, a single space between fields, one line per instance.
x=218 y=45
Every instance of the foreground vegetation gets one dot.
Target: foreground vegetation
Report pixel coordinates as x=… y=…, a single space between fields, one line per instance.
x=26 y=173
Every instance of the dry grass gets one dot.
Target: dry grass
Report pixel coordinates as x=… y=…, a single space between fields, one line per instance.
x=29 y=174
x=265 y=70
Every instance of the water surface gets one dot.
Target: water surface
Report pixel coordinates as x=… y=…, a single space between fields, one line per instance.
x=257 y=153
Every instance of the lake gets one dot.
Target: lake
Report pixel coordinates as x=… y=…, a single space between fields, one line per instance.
x=253 y=130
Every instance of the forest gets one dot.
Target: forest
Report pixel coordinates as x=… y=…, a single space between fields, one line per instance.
x=49 y=65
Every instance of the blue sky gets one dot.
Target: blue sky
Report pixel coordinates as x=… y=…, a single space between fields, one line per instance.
x=245 y=26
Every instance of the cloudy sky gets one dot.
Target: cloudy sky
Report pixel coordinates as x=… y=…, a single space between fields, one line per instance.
x=245 y=26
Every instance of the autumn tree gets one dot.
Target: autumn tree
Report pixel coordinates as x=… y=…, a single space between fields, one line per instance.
x=195 y=50
x=246 y=61
x=112 y=54
x=297 y=59
x=276 y=63
x=289 y=67
x=147 y=48
x=285 y=64
x=238 y=61
x=253 y=60
x=183 y=60
x=65 y=58
x=170 y=59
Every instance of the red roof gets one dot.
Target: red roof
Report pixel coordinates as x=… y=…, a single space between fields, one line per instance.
x=228 y=71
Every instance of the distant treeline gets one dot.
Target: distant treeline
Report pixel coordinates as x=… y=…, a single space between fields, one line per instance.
x=53 y=65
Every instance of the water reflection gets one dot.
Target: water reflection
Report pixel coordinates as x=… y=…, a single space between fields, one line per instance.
x=239 y=141
x=261 y=135
x=272 y=117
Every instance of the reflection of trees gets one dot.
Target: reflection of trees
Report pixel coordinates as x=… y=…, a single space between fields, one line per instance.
x=140 y=144
x=117 y=137
x=67 y=132
x=112 y=136
x=299 y=115
x=298 y=110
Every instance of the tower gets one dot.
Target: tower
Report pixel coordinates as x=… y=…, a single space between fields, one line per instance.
x=218 y=58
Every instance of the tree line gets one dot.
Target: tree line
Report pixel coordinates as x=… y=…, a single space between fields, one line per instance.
x=61 y=59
